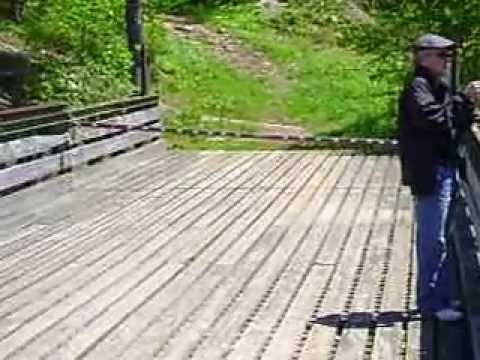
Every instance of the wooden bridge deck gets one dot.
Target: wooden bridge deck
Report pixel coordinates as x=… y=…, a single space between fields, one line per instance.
x=165 y=255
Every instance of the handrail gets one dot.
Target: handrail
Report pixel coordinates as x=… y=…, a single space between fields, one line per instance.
x=45 y=119
x=29 y=111
x=464 y=226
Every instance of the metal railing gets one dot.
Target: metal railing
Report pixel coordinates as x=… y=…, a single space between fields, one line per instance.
x=21 y=124
x=75 y=137
x=57 y=119
x=464 y=226
x=33 y=120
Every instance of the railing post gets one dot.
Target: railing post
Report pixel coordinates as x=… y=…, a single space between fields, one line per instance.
x=18 y=8
x=136 y=45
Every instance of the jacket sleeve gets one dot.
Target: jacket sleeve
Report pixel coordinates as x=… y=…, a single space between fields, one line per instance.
x=430 y=110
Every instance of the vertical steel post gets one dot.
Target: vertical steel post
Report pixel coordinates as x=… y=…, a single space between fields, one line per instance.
x=136 y=45
x=456 y=63
x=454 y=71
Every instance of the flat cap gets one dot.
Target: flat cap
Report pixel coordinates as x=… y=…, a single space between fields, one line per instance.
x=432 y=41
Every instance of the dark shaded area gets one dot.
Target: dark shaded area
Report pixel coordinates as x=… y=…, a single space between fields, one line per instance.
x=15 y=67
x=12 y=9
x=136 y=44
x=438 y=340
x=445 y=341
x=463 y=229
x=366 y=320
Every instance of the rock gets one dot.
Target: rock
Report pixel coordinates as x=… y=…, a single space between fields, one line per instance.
x=355 y=13
x=271 y=7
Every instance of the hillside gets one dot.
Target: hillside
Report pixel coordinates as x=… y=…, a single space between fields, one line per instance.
x=325 y=67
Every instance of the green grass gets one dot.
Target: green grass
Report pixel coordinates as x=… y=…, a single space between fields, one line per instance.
x=191 y=119
x=323 y=87
x=333 y=94
x=328 y=90
x=187 y=143
x=198 y=82
x=335 y=90
x=79 y=50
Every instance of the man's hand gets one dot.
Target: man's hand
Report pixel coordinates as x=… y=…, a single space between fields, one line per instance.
x=472 y=91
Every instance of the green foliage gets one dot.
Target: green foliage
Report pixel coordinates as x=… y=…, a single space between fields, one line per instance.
x=329 y=90
x=186 y=143
x=354 y=91
x=172 y=5
x=310 y=18
x=384 y=44
x=199 y=83
x=80 y=49
x=335 y=93
x=338 y=75
x=393 y=32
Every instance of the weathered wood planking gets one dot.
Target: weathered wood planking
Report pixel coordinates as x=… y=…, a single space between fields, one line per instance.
x=207 y=255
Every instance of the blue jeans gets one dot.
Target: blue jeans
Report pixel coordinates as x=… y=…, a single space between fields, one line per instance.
x=433 y=261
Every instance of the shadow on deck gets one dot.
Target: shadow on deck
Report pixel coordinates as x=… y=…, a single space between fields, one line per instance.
x=438 y=341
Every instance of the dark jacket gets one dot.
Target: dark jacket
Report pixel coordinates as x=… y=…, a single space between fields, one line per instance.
x=431 y=121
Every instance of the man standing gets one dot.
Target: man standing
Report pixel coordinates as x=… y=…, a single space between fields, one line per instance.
x=431 y=120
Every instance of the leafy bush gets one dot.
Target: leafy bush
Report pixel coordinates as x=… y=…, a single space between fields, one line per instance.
x=386 y=42
x=169 y=5
x=80 y=48
x=193 y=79
x=452 y=18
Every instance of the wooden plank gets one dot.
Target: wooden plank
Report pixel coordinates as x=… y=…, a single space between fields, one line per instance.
x=353 y=342
x=325 y=277
x=118 y=166
x=40 y=169
x=77 y=244
x=109 y=107
x=95 y=224
x=353 y=223
x=229 y=321
x=187 y=254
x=146 y=184
x=285 y=338
x=34 y=110
x=261 y=325
x=389 y=340
x=7 y=240
x=204 y=287
x=133 y=120
x=143 y=209
x=94 y=217
x=255 y=242
x=288 y=333
x=115 y=242
x=12 y=151
x=125 y=284
x=417 y=346
x=82 y=154
x=72 y=192
x=55 y=197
